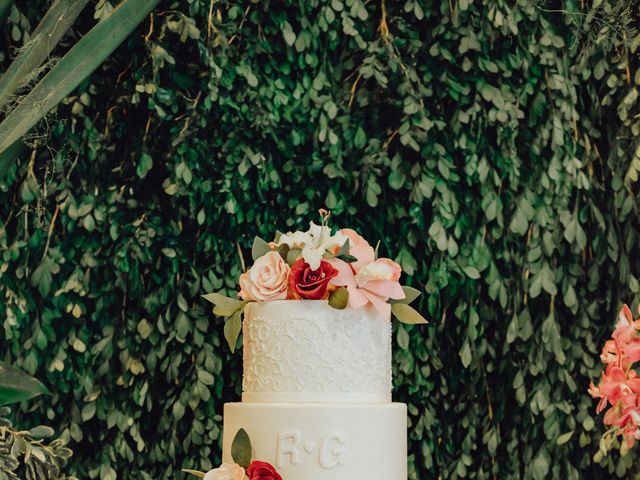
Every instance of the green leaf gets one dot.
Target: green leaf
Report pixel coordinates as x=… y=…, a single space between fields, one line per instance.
x=288 y=34
x=564 y=438
x=360 y=138
x=16 y=385
x=195 y=473
x=232 y=328
x=41 y=431
x=205 y=377
x=339 y=298
x=407 y=314
x=224 y=306
x=5 y=9
x=471 y=272
x=465 y=354
x=55 y=23
x=145 y=164
x=410 y=294
x=344 y=249
x=78 y=63
x=259 y=248
x=348 y=258
x=293 y=255
x=241 y=448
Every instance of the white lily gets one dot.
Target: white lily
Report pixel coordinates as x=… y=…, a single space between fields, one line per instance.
x=314 y=243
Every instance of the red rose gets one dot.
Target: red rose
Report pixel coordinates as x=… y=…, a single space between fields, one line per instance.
x=262 y=471
x=310 y=284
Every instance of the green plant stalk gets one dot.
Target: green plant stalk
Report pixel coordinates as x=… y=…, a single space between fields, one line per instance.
x=55 y=23
x=10 y=155
x=73 y=68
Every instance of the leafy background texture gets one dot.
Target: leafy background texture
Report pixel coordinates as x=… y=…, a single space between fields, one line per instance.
x=492 y=147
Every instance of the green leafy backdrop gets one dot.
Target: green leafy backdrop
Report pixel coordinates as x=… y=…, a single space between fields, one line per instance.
x=491 y=146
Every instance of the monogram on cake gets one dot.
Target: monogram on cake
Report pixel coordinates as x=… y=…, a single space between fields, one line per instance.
x=317 y=380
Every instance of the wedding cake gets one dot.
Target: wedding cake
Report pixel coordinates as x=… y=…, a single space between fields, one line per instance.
x=317 y=383
x=317 y=393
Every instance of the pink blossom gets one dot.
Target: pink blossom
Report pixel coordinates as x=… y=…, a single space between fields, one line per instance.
x=375 y=283
x=359 y=248
x=619 y=386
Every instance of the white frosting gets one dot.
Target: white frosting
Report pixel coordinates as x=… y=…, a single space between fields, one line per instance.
x=323 y=441
x=308 y=351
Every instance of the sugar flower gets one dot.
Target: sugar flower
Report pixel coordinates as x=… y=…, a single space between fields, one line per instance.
x=368 y=280
x=314 y=243
x=267 y=279
x=226 y=471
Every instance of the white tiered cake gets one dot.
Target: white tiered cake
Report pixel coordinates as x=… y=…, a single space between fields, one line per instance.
x=317 y=393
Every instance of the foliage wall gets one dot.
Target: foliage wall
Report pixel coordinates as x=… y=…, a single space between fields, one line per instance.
x=490 y=145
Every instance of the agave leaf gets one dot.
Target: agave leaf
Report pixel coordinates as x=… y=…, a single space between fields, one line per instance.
x=16 y=385
x=5 y=9
x=73 y=68
x=44 y=39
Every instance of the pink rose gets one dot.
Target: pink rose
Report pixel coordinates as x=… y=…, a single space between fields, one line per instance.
x=359 y=248
x=266 y=280
x=226 y=471
x=381 y=269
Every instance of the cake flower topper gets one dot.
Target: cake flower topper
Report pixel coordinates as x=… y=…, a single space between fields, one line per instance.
x=319 y=264
x=619 y=388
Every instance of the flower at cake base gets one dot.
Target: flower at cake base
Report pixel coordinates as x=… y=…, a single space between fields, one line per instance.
x=226 y=471
x=313 y=243
x=309 y=284
x=374 y=283
x=262 y=471
x=266 y=280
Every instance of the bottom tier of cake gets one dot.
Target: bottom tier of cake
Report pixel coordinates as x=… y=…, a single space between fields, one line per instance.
x=323 y=441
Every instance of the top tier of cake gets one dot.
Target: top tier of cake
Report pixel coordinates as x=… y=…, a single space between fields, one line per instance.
x=307 y=351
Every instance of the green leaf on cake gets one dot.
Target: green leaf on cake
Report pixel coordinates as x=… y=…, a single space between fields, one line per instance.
x=344 y=249
x=232 y=328
x=241 y=448
x=407 y=314
x=410 y=294
x=224 y=306
x=195 y=473
x=339 y=298
x=16 y=385
x=293 y=255
x=259 y=248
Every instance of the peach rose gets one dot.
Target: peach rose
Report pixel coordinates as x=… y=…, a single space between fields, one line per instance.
x=226 y=471
x=266 y=280
x=359 y=248
x=381 y=269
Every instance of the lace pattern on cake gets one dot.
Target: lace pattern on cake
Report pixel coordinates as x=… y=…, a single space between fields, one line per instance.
x=317 y=350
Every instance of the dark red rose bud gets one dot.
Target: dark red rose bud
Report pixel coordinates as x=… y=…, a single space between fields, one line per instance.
x=262 y=471
x=308 y=284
